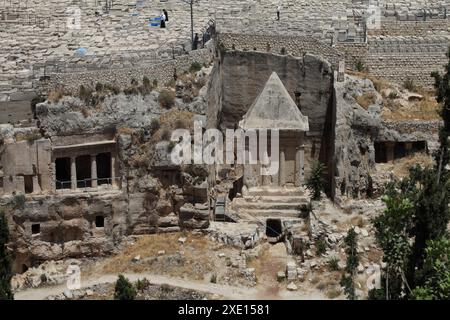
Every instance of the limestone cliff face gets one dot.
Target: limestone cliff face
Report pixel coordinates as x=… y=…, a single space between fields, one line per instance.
x=245 y=74
x=308 y=80
x=151 y=196
x=358 y=128
x=356 y=131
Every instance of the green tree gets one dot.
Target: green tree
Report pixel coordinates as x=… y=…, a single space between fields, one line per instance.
x=412 y=231
x=124 y=289
x=392 y=235
x=436 y=271
x=347 y=280
x=442 y=86
x=5 y=261
x=315 y=183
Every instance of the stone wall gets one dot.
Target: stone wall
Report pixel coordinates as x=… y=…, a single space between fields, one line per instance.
x=393 y=58
x=353 y=52
x=398 y=59
x=400 y=67
x=296 y=46
x=394 y=27
x=163 y=72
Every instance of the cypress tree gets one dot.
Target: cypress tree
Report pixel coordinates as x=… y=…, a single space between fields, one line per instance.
x=5 y=261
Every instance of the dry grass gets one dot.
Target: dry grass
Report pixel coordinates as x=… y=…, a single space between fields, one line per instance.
x=55 y=95
x=426 y=109
x=266 y=267
x=357 y=221
x=400 y=167
x=195 y=264
x=85 y=112
x=374 y=255
x=166 y=98
x=29 y=136
x=366 y=99
x=124 y=130
x=171 y=120
x=333 y=293
x=315 y=280
x=378 y=83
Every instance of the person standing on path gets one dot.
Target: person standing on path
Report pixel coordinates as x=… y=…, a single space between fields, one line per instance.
x=278 y=12
x=163 y=20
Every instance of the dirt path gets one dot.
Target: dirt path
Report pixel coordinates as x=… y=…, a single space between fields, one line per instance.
x=226 y=291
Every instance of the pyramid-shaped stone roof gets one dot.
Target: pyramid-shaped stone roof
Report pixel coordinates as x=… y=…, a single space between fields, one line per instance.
x=274 y=109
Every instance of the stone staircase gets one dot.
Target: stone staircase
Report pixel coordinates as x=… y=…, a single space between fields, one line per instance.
x=269 y=202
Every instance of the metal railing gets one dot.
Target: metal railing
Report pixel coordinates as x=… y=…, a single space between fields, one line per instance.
x=87 y=183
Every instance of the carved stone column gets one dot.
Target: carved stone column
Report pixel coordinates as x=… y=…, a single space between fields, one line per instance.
x=282 y=171
x=53 y=173
x=302 y=164
x=408 y=148
x=94 y=183
x=73 y=173
x=265 y=165
x=113 y=170
x=390 y=151
x=36 y=186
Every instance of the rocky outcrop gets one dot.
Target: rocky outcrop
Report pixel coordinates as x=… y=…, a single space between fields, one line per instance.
x=194 y=216
x=356 y=131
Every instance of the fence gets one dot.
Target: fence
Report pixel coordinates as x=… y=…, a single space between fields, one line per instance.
x=86 y=184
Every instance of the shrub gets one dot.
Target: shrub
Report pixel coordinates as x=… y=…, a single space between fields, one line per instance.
x=19 y=201
x=142 y=284
x=360 y=66
x=130 y=91
x=393 y=95
x=124 y=289
x=166 y=98
x=112 y=88
x=155 y=83
x=166 y=288
x=195 y=67
x=171 y=145
x=36 y=100
x=165 y=135
x=146 y=86
x=146 y=82
x=409 y=84
x=321 y=246
x=333 y=264
x=213 y=278
x=98 y=87
x=154 y=124
x=85 y=94
x=134 y=82
x=315 y=182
